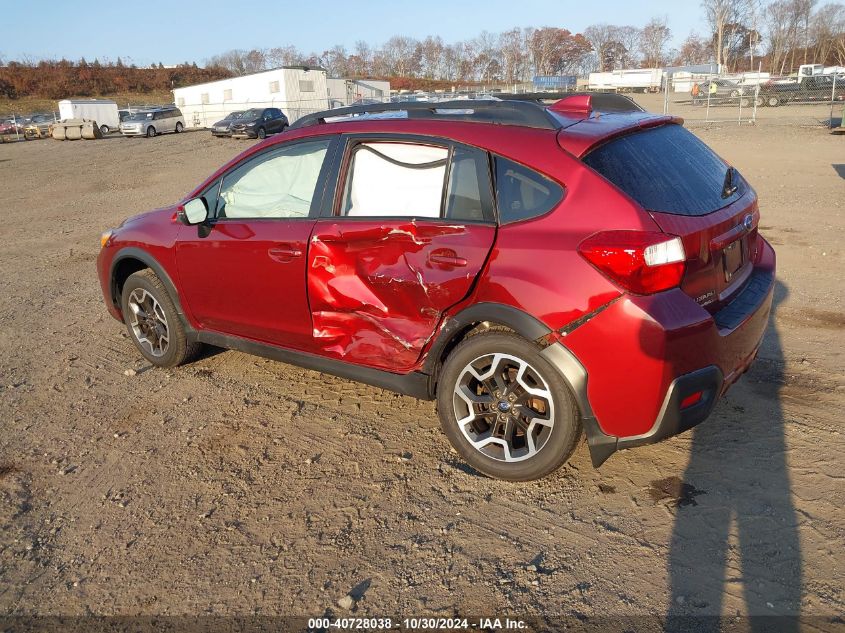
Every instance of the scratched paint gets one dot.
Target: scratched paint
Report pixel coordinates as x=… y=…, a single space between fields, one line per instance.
x=378 y=289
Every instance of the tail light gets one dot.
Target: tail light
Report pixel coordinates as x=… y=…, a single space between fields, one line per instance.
x=641 y=262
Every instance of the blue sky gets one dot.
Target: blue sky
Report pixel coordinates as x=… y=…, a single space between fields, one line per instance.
x=196 y=30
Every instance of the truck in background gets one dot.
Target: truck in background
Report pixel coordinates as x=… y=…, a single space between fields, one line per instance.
x=103 y=111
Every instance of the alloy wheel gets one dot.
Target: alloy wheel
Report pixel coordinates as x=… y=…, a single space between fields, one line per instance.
x=148 y=322
x=503 y=407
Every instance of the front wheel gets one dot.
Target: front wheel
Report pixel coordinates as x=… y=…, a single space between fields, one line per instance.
x=506 y=409
x=151 y=132
x=773 y=102
x=179 y=127
x=153 y=322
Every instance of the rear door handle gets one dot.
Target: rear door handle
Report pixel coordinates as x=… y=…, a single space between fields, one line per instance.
x=446 y=257
x=283 y=254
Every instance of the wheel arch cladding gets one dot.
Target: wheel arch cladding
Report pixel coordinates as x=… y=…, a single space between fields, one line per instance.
x=456 y=328
x=131 y=260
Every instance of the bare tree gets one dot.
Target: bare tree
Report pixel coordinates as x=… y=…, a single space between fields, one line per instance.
x=694 y=50
x=653 y=40
x=720 y=14
x=601 y=37
x=283 y=56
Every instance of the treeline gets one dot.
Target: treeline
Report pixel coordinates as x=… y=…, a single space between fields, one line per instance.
x=739 y=34
x=60 y=79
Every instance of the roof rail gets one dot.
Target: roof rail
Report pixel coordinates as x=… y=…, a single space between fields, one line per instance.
x=600 y=101
x=503 y=112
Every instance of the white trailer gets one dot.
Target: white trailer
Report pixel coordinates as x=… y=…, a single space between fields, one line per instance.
x=346 y=92
x=296 y=90
x=103 y=111
x=628 y=80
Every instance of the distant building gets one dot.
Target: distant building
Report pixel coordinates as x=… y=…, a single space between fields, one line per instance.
x=297 y=90
x=345 y=92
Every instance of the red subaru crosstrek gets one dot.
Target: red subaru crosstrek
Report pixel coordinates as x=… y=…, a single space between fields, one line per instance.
x=538 y=269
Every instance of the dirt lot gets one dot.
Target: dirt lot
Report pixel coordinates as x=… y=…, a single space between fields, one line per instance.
x=237 y=485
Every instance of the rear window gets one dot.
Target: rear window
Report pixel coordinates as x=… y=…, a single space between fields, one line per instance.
x=667 y=169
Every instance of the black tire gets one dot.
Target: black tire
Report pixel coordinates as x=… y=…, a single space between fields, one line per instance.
x=759 y=101
x=104 y=129
x=179 y=127
x=772 y=101
x=555 y=445
x=744 y=102
x=151 y=132
x=178 y=350
x=262 y=133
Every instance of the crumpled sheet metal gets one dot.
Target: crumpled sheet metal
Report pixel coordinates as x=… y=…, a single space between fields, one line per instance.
x=376 y=296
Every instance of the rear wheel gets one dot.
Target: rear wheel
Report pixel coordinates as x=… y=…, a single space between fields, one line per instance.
x=262 y=133
x=151 y=132
x=104 y=129
x=178 y=127
x=759 y=101
x=773 y=102
x=506 y=409
x=153 y=322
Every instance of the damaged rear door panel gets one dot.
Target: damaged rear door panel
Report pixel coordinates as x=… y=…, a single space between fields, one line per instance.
x=411 y=228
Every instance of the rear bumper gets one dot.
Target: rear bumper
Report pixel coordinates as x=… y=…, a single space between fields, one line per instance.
x=642 y=356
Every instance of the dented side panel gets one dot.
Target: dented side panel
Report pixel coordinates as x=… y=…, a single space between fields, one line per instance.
x=378 y=289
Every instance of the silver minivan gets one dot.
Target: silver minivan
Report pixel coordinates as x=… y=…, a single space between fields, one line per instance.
x=153 y=121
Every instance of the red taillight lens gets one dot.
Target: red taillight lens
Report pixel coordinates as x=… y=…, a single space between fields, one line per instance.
x=641 y=262
x=690 y=400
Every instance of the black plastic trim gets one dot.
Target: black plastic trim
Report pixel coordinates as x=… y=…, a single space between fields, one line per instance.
x=414 y=384
x=748 y=301
x=672 y=420
x=524 y=113
x=521 y=322
x=601 y=446
x=132 y=252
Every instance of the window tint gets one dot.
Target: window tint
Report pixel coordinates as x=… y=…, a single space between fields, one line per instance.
x=666 y=169
x=395 y=179
x=278 y=184
x=522 y=193
x=469 y=186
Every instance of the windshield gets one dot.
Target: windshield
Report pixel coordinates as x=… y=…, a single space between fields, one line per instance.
x=233 y=115
x=252 y=114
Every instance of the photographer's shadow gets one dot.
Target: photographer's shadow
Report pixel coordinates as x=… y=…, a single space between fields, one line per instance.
x=735 y=548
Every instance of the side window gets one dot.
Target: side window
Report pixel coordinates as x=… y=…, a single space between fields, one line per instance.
x=395 y=179
x=468 y=196
x=522 y=193
x=277 y=184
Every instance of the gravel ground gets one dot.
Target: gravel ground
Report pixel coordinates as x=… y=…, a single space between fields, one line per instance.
x=241 y=486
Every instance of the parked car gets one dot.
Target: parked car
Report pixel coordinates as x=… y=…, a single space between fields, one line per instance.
x=151 y=122
x=720 y=91
x=809 y=89
x=12 y=127
x=39 y=125
x=221 y=128
x=259 y=123
x=536 y=270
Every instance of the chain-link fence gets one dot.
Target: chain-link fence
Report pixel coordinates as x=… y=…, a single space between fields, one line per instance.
x=751 y=98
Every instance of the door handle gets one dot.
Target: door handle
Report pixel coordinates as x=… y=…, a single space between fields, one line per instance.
x=446 y=257
x=283 y=254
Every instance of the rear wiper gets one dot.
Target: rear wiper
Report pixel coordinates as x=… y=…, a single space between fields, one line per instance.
x=729 y=188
